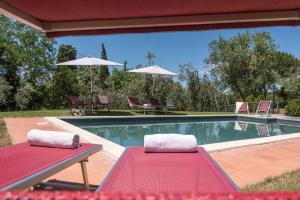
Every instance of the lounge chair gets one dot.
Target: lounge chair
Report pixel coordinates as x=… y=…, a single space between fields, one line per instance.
x=155 y=103
x=264 y=107
x=241 y=107
x=102 y=101
x=140 y=172
x=262 y=130
x=76 y=102
x=23 y=165
x=77 y=106
x=134 y=102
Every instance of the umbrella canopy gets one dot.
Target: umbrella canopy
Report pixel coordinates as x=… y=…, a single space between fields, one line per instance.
x=82 y=17
x=90 y=61
x=153 y=70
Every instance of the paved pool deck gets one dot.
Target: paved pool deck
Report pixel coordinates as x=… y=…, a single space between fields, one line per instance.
x=245 y=165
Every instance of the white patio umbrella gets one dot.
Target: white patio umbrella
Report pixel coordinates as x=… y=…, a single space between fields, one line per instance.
x=90 y=61
x=154 y=70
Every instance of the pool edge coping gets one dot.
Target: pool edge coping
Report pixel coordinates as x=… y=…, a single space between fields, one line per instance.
x=115 y=150
x=110 y=148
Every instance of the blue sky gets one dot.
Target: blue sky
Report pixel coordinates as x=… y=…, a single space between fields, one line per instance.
x=172 y=48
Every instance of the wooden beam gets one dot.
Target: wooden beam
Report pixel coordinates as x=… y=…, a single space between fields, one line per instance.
x=10 y=11
x=174 y=21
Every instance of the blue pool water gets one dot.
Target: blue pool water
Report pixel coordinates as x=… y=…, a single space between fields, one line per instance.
x=132 y=134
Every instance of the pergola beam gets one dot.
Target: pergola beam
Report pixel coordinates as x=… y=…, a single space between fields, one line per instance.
x=275 y=16
x=151 y=22
x=10 y=11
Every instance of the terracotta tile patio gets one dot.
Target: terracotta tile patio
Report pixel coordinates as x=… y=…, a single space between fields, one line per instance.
x=244 y=165
x=254 y=163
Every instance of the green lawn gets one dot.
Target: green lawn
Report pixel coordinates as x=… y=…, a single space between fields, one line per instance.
x=35 y=113
x=289 y=181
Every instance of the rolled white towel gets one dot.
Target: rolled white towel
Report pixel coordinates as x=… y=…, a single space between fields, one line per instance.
x=58 y=139
x=170 y=143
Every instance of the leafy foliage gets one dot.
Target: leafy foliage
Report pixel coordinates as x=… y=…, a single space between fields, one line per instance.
x=24 y=54
x=293 y=107
x=249 y=64
x=24 y=95
x=4 y=92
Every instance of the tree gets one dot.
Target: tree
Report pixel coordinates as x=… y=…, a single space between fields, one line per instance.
x=177 y=96
x=249 y=64
x=190 y=75
x=65 y=78
x=24 y=95
x=4 y=93
x=25 y=54
x=125 y=65
x=103 y=71
x=150 y=57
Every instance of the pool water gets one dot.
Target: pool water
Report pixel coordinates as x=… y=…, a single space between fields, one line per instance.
x=205 y=132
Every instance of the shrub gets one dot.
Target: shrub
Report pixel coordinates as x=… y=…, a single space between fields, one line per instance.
x=293 y=107
x=24 y=96
x=4 y=92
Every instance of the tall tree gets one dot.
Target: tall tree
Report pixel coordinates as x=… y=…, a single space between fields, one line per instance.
x=150 y=57
x=125 y=65
x=65 y=80
x=103 y=71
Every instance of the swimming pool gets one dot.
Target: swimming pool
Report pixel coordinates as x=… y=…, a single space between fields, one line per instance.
x=131 y=131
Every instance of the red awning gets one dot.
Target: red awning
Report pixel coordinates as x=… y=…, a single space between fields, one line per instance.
x=84 y=17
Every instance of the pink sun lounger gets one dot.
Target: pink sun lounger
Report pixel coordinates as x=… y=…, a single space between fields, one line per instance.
x=140 y=172
x=263 y=107
x=23 y=165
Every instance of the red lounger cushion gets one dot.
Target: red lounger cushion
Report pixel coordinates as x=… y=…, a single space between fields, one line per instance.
x=22 y=160
x=139 y=172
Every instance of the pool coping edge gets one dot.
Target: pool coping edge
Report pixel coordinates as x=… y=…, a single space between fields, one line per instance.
x=110 y=148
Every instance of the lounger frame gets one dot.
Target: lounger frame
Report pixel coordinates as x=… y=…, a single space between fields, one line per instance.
x=43 y=174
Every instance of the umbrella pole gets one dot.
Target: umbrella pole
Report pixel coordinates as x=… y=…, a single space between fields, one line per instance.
x=91 y=92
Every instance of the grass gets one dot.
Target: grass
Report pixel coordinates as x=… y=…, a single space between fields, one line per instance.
x=35 y=113
x=289 y=181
